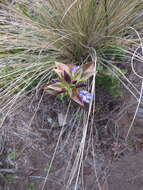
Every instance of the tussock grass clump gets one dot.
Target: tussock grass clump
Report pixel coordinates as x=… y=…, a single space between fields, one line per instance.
x=35 y=34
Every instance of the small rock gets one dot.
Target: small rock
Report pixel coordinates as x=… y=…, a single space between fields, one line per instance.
x=62 y=119
x=140 y=113
x=49 y=119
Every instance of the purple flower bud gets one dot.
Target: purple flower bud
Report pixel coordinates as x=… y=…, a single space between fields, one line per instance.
x=54 y=80
x=85 y=96
x=75 y=68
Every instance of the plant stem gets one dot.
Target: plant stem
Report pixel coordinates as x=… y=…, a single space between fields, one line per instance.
x=106 y=17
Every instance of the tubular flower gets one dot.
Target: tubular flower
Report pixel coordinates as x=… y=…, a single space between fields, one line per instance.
x=75 y=68
x=85 y=96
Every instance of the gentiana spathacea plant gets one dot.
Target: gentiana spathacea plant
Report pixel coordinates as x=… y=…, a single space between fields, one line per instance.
x=71 y=81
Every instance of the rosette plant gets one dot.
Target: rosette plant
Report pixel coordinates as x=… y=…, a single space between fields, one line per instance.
x=71 y=79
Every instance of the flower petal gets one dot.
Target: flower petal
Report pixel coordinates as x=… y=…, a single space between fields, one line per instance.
x=85 y=96
x=75 y=68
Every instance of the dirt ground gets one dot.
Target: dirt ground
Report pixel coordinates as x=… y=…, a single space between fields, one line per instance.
x=30 y=134
x=127 y=174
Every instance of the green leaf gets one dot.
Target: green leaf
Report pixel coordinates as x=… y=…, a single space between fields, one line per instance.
x=24 y=9
x=10 y=178
x=12 y=51
x=12 y=155
x=110 y=82
x=32 y=186
x=117 y=52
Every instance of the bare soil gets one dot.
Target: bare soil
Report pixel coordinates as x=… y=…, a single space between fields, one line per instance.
x=30 y=134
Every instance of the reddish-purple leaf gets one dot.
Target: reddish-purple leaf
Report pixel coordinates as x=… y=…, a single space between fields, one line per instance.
x=63 y=90
x=62 y=67
x=67 y=77
x=76 y=98
x=74 y=81
x=88 y=70
x=55 y=88
x=80 y=85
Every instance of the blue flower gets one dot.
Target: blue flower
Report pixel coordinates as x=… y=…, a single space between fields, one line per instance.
x=85 y=96
x=75 y=68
